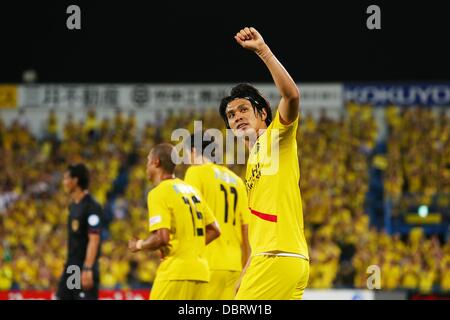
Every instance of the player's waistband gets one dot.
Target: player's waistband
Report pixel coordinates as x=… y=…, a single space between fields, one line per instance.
x=283 y=254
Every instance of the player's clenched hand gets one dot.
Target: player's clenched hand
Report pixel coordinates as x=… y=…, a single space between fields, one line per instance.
x=164 y=251
x=250 y=39
x=132 y=244
x=87 y=279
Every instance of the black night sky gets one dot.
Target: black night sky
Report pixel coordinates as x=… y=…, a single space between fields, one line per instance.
x=191 y=41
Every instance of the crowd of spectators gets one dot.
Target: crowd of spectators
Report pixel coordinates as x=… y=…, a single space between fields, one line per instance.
x=334 y=163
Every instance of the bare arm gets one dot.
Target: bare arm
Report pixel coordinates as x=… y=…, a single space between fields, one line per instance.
x=87 y=278
x=288 y=108
x=246 y=252
x=245 y=245
x=238 y=283
x=157 y=240
x=212 y=232
x=92 y=249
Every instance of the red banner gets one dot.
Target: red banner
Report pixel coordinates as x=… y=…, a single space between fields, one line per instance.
x=437 y=296
x=50 y=295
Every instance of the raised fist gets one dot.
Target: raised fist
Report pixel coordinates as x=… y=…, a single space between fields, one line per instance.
x=250 y=39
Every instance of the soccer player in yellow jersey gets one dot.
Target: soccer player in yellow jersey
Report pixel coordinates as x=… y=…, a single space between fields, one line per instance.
x=225 y=194
x=181 y=225
x=279 y=265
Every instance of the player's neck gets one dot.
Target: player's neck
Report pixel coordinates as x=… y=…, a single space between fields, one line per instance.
x=249 y=144
x=78 y=195
x=251 y=141
x=163 y=176
x=204 y=160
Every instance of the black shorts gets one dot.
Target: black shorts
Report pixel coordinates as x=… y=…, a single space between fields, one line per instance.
x=65 y=293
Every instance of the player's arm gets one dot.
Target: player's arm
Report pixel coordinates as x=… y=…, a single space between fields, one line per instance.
x=245 y=245
x=212 y=229
x=212 y=232
x=87 y=279
x=159 y=225
x=94 y=229
x=244 y=214
x=238 y=283
x=192 y=177
x=92 y=249
x=158 y=239
x=288 y=108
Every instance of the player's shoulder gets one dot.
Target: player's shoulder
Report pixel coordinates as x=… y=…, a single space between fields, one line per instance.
x=277 y=123
x=178 y=186
x=191 y=170
x=92 y=202
x=235 y=179
x=92 y=208
x=166 y=191
x=163 y=187
x=188 y=188
x=229 y=171
x=201 y=169
x=184 y=188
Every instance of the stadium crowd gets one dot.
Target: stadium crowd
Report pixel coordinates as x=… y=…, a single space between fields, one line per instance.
x=334 y=164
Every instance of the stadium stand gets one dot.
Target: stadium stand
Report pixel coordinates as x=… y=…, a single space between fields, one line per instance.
x=337 y=159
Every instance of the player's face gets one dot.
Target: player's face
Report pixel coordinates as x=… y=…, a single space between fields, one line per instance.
x=151 y=167
x=69 y=182
x=243 y=119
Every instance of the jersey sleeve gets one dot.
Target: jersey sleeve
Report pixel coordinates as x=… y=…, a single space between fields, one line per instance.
x=158 y=211
x=94 y=215
x=193 y=178
x=285 y=131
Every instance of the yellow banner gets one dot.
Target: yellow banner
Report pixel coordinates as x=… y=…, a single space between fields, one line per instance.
x=432 y=218
x=8 y=96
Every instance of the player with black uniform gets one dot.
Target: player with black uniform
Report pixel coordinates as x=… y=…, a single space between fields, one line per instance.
x=84 y=235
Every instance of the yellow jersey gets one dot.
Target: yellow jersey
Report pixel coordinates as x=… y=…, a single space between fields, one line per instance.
x=225 y=194
x=90 y=123
x=178 y=206
x=272 y=181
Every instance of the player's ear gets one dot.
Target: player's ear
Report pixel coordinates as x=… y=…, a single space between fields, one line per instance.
x=263 y=114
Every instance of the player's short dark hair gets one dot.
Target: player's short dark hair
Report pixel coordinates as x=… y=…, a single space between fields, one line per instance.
x=81 y=172
x=250 y=93
x=163 y=152
x=205 y=141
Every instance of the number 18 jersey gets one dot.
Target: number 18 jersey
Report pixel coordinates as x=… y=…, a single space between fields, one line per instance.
x=178 y=206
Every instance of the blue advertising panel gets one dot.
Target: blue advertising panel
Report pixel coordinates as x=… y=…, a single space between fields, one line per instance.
x=417 y=94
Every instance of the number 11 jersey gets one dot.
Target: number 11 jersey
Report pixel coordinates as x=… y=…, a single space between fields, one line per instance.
x=226 y=195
